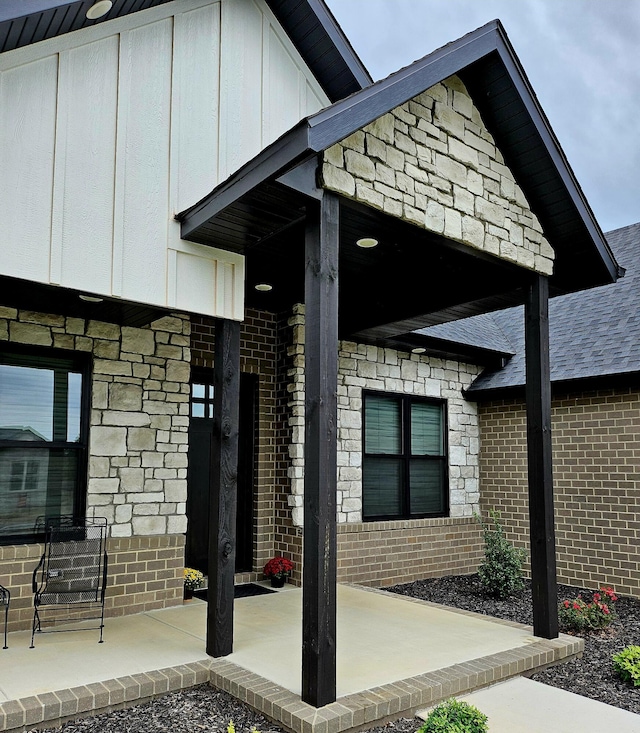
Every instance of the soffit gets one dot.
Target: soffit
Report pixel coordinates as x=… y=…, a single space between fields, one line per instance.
x=42 y=298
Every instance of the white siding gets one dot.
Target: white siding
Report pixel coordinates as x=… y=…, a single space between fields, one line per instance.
x=142 y=163
x=108 y=132
x=82 y=230
x=27 y=143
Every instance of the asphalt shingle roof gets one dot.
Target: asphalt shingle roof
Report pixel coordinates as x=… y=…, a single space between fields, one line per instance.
x=592 y=333
x=481 y=331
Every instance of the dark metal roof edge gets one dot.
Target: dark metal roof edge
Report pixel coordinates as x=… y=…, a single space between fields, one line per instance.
x=280 y=156
x=471 y=348
x=454 y=349
x=361 y=108
x=558 y=387
x=343 y=46
x=519 y=77
x=18 y=9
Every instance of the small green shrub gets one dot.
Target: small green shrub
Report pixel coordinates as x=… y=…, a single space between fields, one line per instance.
x=578 y=615
x=454 y=716
x=627 y=664
x=501 y=571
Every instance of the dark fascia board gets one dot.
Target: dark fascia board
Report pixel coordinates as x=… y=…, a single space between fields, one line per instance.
x=329 y=126
x=606 y=382
x=326 y=50
x=276 y=159
x=337 y=37
x=448 y=349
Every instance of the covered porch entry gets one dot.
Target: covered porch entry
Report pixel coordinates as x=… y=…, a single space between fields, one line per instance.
x=382 y=216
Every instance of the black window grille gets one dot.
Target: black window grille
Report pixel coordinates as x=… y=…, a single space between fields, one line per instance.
x=404 y=457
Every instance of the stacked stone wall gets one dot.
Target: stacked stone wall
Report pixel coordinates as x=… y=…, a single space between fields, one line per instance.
x=433 y=163
x=138 y=442
x=385 y=370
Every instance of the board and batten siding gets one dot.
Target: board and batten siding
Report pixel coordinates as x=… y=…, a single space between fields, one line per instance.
x=108 y=132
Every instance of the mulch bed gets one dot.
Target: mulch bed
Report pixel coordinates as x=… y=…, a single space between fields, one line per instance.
x=592 y=675
x=205 y=708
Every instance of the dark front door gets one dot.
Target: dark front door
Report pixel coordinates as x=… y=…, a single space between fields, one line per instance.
x=198 y=477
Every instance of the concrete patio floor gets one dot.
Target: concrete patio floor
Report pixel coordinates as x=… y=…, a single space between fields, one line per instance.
x=395 y=655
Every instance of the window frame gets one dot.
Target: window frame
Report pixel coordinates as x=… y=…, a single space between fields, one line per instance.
x=20 y=355
x=406 y=400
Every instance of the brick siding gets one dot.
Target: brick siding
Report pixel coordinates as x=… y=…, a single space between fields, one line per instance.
x=144 y=573
x=596 y=453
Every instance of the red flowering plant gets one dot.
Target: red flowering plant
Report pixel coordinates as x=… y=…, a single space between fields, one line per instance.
x=278 y=567
x=582 y=615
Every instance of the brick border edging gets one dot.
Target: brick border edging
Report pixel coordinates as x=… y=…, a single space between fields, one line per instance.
x=351 y=712
x=54 y=708
x=392 y=700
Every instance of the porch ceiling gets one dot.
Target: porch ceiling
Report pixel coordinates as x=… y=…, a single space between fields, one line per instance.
x=412 y=278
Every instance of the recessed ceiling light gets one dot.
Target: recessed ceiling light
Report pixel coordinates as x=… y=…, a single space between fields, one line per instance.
x=367 y=243
x=97 y=10
x=418 y=350
x=91 y=298
x=264 y=287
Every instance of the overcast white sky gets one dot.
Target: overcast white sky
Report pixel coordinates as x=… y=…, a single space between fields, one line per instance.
x=582 y=58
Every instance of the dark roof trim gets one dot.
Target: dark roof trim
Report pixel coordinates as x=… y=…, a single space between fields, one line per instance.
x=602 y=383
x=322 y=43
x=279 y=157
x=550 y=141
x=334 y=123
x=341 y=119
x=444 y=349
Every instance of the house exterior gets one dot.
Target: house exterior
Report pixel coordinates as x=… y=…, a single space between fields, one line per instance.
x=191 y=182
x=594 y=373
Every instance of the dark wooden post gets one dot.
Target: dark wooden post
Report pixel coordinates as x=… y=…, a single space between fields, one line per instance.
x=541 y=515
x=224 y=484
x=320 y=481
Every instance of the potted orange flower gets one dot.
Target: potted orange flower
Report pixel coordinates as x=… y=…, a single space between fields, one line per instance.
x=278 y=570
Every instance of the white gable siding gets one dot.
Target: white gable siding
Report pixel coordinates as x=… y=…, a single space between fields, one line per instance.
x=108 y=132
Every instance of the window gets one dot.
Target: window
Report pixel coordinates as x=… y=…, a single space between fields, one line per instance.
x=404 y=458
x=43 y=439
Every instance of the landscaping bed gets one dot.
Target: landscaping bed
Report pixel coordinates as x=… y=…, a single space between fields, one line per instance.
x=592 y=675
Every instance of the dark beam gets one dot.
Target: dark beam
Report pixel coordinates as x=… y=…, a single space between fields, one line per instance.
x=320 y=483
x=224 y=483
x=541 y=515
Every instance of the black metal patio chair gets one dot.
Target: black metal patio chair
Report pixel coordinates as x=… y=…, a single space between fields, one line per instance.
x=5 y=600
x=71 y=577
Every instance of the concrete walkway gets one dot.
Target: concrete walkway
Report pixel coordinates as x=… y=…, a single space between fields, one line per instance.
x=395 y=655
x=526 y=706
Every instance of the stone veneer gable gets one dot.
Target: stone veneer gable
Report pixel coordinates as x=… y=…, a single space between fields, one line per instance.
x=386 y=370
x=433 y=163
